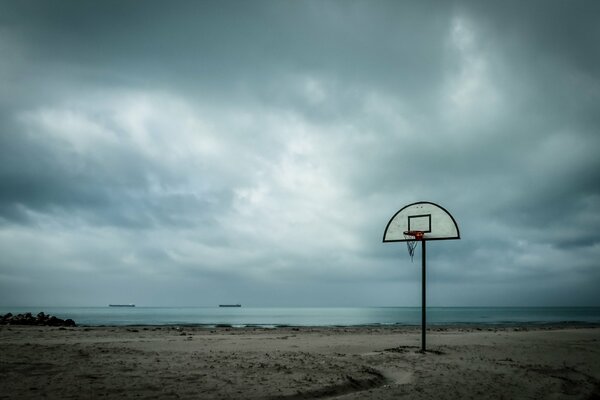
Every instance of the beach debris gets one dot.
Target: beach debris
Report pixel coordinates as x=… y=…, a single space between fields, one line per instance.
x=41 y=319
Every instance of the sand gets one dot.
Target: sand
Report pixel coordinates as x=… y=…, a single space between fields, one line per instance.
x=298 y=363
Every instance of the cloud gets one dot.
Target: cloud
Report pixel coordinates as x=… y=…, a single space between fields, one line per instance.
x=208 y=151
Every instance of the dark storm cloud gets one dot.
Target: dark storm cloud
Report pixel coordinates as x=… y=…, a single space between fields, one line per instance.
x=224 y=46
x=249 y=145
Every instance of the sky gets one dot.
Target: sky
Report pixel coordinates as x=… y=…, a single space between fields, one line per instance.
x=194 y=153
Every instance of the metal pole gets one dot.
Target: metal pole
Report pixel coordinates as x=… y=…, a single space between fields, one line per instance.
x=423 y=298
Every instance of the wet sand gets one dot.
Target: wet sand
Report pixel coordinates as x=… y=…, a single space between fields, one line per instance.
x=299 y=363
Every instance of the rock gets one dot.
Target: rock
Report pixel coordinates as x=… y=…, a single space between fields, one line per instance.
x=5 y=319
x=40 y=319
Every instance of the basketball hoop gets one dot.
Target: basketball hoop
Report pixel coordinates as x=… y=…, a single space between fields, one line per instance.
x=412 y=238
x=410 y=224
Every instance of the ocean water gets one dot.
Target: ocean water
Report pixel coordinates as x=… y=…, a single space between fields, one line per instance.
x=316 y=316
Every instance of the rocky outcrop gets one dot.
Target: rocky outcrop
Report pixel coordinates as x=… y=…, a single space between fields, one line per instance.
x=40 y=320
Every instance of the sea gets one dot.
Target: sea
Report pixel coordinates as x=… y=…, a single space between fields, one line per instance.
x=316 y=316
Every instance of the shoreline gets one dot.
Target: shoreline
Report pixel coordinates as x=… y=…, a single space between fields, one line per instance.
x=466 y=326
x=377 y=362
x=319 y=316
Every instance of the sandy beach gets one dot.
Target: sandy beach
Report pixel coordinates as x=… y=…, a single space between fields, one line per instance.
x=298 y=363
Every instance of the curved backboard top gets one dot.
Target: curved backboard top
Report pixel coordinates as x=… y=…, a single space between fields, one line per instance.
x=433 y=220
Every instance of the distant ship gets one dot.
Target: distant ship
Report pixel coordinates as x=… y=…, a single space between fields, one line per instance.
x=230 y=305
x=121 y=305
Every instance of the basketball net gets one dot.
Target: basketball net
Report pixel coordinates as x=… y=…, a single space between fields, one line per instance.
x=413 y=237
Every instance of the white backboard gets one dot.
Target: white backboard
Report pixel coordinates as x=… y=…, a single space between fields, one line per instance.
x=434 y=220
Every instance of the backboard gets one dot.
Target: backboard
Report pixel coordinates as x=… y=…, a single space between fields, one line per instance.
x=430 y=218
